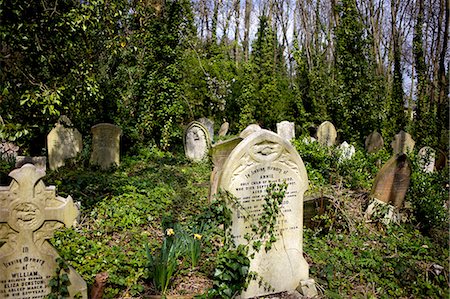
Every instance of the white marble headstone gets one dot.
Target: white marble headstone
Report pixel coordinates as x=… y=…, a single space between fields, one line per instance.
x=346 y=151
x=427 y=159
x=286 y=130
x=196 y=142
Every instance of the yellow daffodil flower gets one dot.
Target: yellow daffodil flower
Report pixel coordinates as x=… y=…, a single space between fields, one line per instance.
x=170 y=232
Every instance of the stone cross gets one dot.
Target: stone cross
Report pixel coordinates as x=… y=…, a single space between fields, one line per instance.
x=105 y=145
x=30 y=212
x=326 y=134
x=286 y=130
x=196 y=142
x=402 y=143
x=374 y=142
x=261 y=158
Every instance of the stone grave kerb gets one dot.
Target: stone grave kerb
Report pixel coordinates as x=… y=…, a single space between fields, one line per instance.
x=30 y=212
x=284 y=266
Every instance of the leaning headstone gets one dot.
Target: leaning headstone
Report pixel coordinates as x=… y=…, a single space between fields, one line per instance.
x=40 y=162
x=392 y=181
x=426 y=159
x=402 y=143
x=260 y=159
x=209 y=125
x=30 y=212
x=286 y=130
x=346 y=151
x=105 y=145
x=374 y=142
x=63 y=143
x=219 y=153
x=8 y=151
x=196 y=142
x=326 y=134
x=249 y=130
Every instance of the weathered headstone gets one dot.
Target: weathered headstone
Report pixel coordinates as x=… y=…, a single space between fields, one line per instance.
x=219 y=153
x=346 y=151
x=286 y=130
x=8 y=151
x=105 y=145
x=374 y=142
x=326 y=134
x=209 y=125
x=224 y=128
x=63 y=143
x=249 y=130
x=442 y=160
x=426 y=159
x=402 y=143
x=30 y=212
x=262 y=158
x=40 y=162
x=196 y=142
x=392 y=181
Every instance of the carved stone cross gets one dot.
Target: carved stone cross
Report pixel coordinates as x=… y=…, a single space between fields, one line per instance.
x=30 y=212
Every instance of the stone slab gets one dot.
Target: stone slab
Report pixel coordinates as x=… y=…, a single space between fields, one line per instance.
x=286 y=130
x=105 y=145
x=63 y=143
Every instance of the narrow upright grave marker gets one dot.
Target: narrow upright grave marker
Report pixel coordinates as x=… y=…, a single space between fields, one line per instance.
x=63 y=143
x=286 y=130
x=326 y=134
x=105 y=145
x=224 y=128
x=262 y=158
x=209 y=125
x=196 y=142
x=402 y=143
x=29 y=214
x=374 y=142
x=427 y=159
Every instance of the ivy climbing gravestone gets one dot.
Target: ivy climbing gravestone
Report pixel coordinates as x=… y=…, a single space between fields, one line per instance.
x=264 y=157
x=29 y=214
x=196 y=141
x=105 y=145
x=326 y=134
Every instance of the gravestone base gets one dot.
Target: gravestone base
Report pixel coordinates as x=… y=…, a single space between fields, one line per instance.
x=307 y=288
x=391 y=214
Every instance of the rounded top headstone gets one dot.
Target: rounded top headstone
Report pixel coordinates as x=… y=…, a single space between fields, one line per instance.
x=326 y=134
x=249 y=130
x=374 y=142
x=196 y=141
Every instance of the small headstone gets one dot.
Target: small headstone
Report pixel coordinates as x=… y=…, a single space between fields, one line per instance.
x=40 y=162
x=63 y=143
x=286 y=130
x=105 y=145
x=308 y=140
x=427 y=158
x=8 y=151
x=260 y=159
x=209 y=125
x=196 y=142
x=30 y=212
x=249 y=130
x=219 y=153
x=326 y=134
x=346 y=151
x=374 y=142
x=441 y=161
x=392 y=181
x=224 y=128
x=402 y=143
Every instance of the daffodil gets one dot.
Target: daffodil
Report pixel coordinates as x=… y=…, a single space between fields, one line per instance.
x=170 y=232
x=197 y=236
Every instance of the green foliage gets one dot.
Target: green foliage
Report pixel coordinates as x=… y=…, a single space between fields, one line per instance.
x=60 y=282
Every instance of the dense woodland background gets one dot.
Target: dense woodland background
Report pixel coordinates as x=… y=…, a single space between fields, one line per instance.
x=153 y=66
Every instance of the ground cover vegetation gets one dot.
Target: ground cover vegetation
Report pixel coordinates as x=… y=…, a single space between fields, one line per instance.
x=153 y=66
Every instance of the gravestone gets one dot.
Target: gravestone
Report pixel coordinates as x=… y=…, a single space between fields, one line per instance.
x=105 y=145
x=196 y=142
x=326 y=134
x=219 y=153
x=374 y=142
x=40 y=162
x=224 y=128
x=426 y=159
x=441 y=161
x=346 y=151
x=262 y=158
x=209 y=125
x=249 y=130
x=392 y=181
x=286 y=130
x=402 y=143
x=63 y=143
x=30 y=212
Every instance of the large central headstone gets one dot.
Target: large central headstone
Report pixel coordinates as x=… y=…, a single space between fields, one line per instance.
x=105 y=145
x=264 y=157
x=326 y=134
x=29 y=214
x=196 y=141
